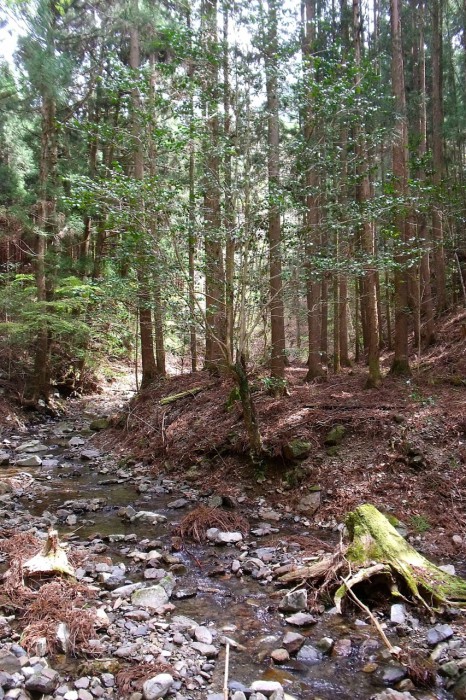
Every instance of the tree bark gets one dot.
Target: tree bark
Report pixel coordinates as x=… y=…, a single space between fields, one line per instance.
x=400 y=364
x=277 y=320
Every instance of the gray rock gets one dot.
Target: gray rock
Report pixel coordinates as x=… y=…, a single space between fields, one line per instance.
x=325 y=645
x=4 y=459
x=280 y=656
x=83 y=682
x=28 y=461
x=157 y=687
x=296 y=449
x=266 y=687
x=207 y=650
x=310 y=654
x=89 y=455
x=393 y=674
x=9 y=662
x=438 y=634
x=76 y=441
x=229 y=537
x=84 y=694
x=44 y=682
x=390 y=694
x=301 y=619
x=152 y=597
x=293 y=641
x=179 y=503
x=398 y=614
x=294 y=601
x=202 y=634
x=310 y=502
x=146 y=516
x=127 y=590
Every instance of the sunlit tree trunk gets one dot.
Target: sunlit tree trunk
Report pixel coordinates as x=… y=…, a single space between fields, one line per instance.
x=277 y=322
x=400 y=364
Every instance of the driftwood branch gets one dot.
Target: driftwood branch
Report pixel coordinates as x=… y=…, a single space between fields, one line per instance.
x=174 y=397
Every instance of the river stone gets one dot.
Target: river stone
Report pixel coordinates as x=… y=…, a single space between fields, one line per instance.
x=5 y=488
x=280 y=656
x=229 y=537
x=293 y=641
x=266 y=687
x=301 y=619
x=9 y=663
x=32 y=449
x=202 y=634
x=157 y=687
x=28 y=461
x=127 y=590
x=146 y=516
x=181 y=623
x=88 y=455
x=4 y=459
x=296 y=449
x=44 y=682
x=310 y=502
x=152 y=597
x=294 y=601
x=335 y=435
x=76 y=441
x=179 y=503
x=310 y=654
x=393 y=674
x=207 y=650
x=237 y=695
x=398 y=614
x=438 y=634
x=154 y=574
x=325 y=645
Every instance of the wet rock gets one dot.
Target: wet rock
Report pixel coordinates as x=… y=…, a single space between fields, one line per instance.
x=127 y=590
x=392 y=674
x=294 y=601
x=325 y=645
x=28 y=461
x=398 y=614
x=293 y=641
x=301 y=619
x=449 y=669
x=438 y=634
x=44 y=682
x=4 y=459
x=310 y=502
x=309 y=654
x=269 y=514
x=335 y=435
x=154 y=574
x=280 y=656
x=152 y=597
x=342 y=647
x=157 y=687
x=296 y=449
x=213 y=534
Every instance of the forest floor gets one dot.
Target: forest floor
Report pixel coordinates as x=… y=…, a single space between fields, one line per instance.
x=402 y=447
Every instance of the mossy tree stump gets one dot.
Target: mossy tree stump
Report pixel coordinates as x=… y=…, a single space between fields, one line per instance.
x=377 y=548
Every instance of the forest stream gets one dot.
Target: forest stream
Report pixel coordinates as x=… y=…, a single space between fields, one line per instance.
x=225 y=592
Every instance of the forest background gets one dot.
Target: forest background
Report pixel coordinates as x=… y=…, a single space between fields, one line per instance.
x=234 y=185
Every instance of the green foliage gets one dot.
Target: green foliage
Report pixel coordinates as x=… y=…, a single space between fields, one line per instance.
x=420 y=523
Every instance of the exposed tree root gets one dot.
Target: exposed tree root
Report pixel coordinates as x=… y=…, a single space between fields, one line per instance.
x=376 y=549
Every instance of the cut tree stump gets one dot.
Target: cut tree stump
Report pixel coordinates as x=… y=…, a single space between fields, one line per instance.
x=52 y=560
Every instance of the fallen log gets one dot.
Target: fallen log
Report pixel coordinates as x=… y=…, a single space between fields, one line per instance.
x=174 y=397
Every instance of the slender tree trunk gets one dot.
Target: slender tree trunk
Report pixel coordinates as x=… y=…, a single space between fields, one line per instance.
x=216 y=341
x=192 y=222
x=277 y=320
x=311 y=217
x=149 y=367
x=400 y=364
x=437 y=154
x=229 y=201
x=367 y=233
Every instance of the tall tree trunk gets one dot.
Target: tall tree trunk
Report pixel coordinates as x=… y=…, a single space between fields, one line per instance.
x=149 y=367
x=192 y=221
x=400 y=364
x=277 y=319
x=363 y=194
x=437 y=154
x=216 y=341
x=311 y=216
x=230 y=221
